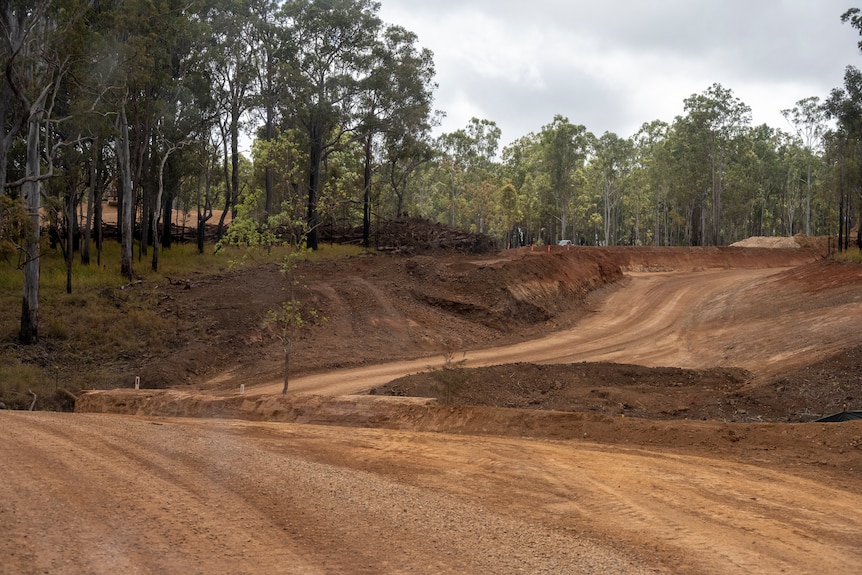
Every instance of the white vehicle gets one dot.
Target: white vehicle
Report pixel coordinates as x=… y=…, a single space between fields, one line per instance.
x=564 y=243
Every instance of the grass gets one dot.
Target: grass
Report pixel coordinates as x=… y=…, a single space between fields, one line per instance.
x=851 y=255
x=86 y=337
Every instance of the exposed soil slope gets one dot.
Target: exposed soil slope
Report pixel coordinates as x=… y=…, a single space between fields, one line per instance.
x=554 y=467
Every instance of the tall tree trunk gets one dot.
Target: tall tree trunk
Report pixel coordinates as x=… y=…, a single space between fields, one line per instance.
x=167 y=218
x=808 y=202
x=97 y=222
x=268 y=135
x=145 y=185
x=206 y=213
x=366 y=196
x=123 y=161
x=227 y=195
x=71 y=221
x=29 y=332
x=91 y=197
x=234 y=160
x=452 y=184
x=716 y=202
x=314 y=180
x=158 y=204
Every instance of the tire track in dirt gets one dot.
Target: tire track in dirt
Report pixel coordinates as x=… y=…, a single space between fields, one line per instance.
x=116 y=501
x=133 y=495
x=688 y=320
x=694 y=513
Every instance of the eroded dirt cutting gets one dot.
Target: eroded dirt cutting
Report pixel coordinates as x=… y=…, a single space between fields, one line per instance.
x=695 y=320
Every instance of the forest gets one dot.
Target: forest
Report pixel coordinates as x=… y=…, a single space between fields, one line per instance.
x=146 y=104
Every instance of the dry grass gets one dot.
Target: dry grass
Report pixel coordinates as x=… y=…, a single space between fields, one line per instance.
x=851 y=255
x=104 y=323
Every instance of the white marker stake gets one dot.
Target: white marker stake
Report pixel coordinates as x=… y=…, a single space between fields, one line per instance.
x=242 y=388
x=137 y=382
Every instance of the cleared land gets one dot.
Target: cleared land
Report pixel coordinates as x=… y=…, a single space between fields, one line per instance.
x=650 y=462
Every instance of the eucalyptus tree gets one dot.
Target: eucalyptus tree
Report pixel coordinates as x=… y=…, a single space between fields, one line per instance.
x=397 y=104
x=565 y=148
x=404 y=153
x=333 y=58
x=15 y=103
x=611 y=167
x=718 y=119
x=524 y=184
x=682 y=158
x=187 y=116
x=807 y=119
x=271 y=45
x=27 y=83
x=844 y=105
x=155 y=47
x=467 y=156
x=36 y=52
x=762 y=186
x=141 y=72
x=841 y=175
x=232 y=70
x=649 y=187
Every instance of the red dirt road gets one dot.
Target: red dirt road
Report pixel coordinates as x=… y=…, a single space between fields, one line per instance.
x=85 y=493
x=690 y=320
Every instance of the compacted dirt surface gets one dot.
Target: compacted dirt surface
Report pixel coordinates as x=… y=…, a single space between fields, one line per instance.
x=619 y=410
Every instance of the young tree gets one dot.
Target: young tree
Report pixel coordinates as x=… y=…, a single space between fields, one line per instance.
x=286 y=321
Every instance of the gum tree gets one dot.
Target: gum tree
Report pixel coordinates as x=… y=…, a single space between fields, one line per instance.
x=806 y=119
x=333 y=58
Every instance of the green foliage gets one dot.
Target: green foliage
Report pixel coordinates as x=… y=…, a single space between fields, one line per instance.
x=288 y=319
x=15 y=225
x=451 y=378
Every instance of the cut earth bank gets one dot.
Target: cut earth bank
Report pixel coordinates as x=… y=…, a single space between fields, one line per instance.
x=606 y=472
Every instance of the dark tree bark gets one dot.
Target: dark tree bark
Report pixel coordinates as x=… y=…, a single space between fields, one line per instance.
x=29 y=333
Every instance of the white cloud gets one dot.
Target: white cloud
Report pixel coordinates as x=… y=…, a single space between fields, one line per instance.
x=616 y=64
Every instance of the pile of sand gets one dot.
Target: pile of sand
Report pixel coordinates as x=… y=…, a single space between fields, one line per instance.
x=778 y=242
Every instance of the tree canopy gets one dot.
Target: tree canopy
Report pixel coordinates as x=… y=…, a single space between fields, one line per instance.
x=150 y=104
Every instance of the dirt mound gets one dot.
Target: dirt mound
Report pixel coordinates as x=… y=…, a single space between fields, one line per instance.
x=772 y=242
x=664 y=393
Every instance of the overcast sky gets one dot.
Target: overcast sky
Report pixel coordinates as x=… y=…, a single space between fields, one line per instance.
x=612 y=65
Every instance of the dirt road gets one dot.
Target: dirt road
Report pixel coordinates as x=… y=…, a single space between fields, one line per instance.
x=691 y=320
x=117 y=494
x=96 y=493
